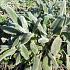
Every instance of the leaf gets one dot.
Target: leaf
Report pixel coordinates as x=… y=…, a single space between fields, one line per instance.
x=46 y=63
x=28 y=68
x=46 y=18
x=12 y=14
x=24 y=23
x=57 y=25
x=43 y=40
x=16 y=42
x=36 y=63
x=32 y=17
x=41 y=29
x=9 y=30
x=63 y=8
x=24 y=51
x=3 y=48
x=53 y=61
x=18 y=59
x=7 y=53
x=55 y=47
x=26 y=37
x=68 y=62
x=33 y=47
x=3 y=2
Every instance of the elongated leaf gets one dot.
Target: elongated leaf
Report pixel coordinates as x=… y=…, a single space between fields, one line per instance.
x=68 y=62
x=24 y=23
x=33 y=47
x=53 y=61
x=68 y=48
x=7 y=53
x=56 y=45
x=24 y=51
x=9 y=30
x=26 y=37
x=15 y=43
x=32 y=17
x=3 y=48
x=18 y=59
x=36 y=63
x=63 y=8
x=46 y=63
x=12 y=14
x=57 y=25
x=28 y=68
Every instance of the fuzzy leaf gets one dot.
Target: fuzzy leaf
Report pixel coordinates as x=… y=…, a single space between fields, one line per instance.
x=7 y=53
x=33 y=47
x=55 y=47
x=24 y=51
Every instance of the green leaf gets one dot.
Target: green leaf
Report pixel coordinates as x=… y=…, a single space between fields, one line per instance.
x=3 y=48
x=12 y=14
x=16 y=42
x=7 y=53
x=43 y=40
x=18 y=59
x=9 y=30
x=24 y=23
x=46 y=63
x=55 y=47
x=57 y=25
x=33 y=47
x=26 y=37
x=32 y=17
x=68 y=62
x=24 y=51
x=36 y=63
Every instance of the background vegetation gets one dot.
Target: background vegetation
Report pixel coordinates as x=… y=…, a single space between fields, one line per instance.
x=34 y=34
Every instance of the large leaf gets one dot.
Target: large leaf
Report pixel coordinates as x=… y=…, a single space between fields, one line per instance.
x=24 y=51
x=55 y=47
x=7 y=53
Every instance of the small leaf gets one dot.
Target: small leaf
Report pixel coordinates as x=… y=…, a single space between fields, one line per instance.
x=43 y=40
x=24 y=51
x=33 y=47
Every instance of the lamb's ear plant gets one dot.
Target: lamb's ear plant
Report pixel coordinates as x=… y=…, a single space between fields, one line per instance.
x=37 y=36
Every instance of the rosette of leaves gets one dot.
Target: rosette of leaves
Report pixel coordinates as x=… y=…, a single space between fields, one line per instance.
x=38 y=38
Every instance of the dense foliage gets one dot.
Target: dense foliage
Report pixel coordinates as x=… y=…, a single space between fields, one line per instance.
x=35 y=34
